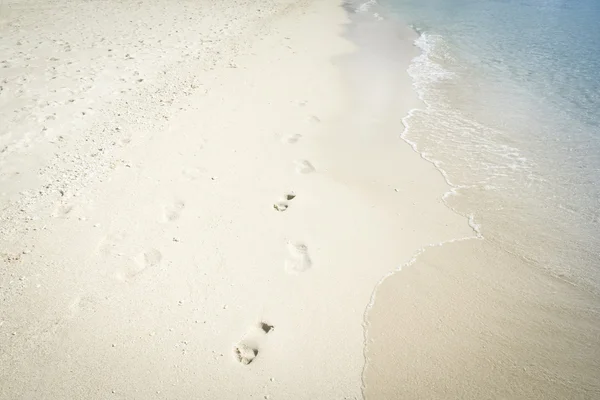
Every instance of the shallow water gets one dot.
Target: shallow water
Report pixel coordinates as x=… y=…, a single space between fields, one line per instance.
x=512 y=118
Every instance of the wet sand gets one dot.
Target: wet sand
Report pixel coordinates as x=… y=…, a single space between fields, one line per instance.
x=467 y=321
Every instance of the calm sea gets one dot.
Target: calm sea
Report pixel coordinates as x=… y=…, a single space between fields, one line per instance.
x=511 y=116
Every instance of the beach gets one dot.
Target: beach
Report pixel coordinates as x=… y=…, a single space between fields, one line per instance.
x=214 y=200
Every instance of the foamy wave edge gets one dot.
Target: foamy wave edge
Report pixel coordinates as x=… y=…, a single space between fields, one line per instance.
x=426 y=43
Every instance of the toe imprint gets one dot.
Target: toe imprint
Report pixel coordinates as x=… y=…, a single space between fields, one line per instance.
x=283 y=204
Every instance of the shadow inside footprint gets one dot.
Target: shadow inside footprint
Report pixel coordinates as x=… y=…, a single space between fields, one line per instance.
x=283 y=204
x=247 y=349
x=244 y=353
x=292 y=139
x=266 y=328
x=304 y=167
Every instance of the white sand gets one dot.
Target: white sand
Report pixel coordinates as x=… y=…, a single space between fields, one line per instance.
x=174 y=175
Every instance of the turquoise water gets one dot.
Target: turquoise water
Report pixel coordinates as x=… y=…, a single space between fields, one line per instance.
x=512 y=117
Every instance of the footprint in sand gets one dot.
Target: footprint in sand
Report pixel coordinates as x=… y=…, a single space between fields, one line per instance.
x=109 y=246
x=124 y=140
x=138 y=264
x=81 y=304
x=120 y=262
x=297 y=260
x=173 y=211
x=192 y=174
x=283 y=204
x=63 y=210
x=292 y=139
x=248 y=348
x=304 y=167
x=314 y=119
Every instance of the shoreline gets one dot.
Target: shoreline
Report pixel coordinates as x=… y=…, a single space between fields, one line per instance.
x=419 y=341
x=227 y=208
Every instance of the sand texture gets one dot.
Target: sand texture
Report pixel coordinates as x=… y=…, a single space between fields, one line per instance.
x=200 y=199
x=188 y=210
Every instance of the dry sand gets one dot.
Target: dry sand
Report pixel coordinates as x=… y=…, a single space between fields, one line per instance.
x=200 y=198
x=188 y=210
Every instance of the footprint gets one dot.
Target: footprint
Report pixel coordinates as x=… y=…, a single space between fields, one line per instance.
x=173 y=212
x=124 y=140
x=298 y=259
x=304 y=167
x=138 y=264
x=283 y=205
x=280 y=206
x=192 y=174
x=314 y=119
x=150 y=258
x=248 y=348
x=63 y=210
x=115 y=245
x=244 y=353
x=292 y=139
x=79 y=305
